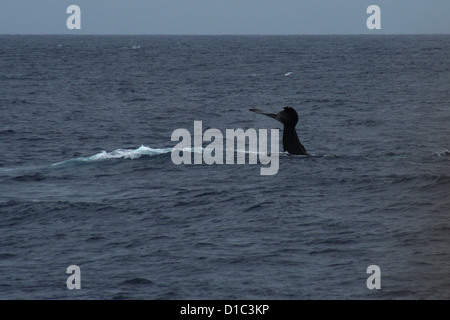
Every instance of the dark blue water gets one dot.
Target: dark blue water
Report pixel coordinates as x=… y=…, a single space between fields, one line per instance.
x=86 y=176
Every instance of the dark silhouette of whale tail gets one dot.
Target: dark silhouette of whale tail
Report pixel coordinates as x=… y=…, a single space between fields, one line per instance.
x=289 y=118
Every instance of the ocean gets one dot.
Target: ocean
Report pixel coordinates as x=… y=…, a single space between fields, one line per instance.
x=87 y=178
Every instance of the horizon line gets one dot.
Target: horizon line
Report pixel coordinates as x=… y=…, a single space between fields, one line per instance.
x=224 y=34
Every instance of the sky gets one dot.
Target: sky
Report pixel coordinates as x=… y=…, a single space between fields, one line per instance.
x=219 y=17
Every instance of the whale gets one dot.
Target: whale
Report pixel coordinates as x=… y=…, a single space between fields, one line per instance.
x=289 y=118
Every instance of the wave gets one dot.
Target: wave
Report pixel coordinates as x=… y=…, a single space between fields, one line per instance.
x=135 y=47
x=143 y=151
x=442 y=153
x=130 y=154
x=118 y=154
x=7 y=132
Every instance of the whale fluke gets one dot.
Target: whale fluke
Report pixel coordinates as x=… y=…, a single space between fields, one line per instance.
x=289 y=118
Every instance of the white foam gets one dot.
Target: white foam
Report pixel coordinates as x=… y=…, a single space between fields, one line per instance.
x=120 y=154
x=442 y=153
x=139 y=152
x=128 y=153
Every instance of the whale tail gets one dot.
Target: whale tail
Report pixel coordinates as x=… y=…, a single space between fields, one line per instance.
x=289 y=118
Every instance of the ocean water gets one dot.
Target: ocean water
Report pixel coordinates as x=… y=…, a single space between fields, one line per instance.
x=86 y=176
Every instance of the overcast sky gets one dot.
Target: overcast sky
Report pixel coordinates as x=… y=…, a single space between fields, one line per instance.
x=224 y=16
